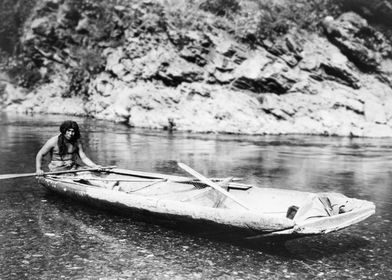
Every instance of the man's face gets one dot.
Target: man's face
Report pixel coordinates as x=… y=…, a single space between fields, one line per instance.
x=69 y=134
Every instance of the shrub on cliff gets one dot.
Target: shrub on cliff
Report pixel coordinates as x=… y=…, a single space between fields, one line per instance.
x=23 y=72
x=99 y=16
x=220 y=7
x=277 y=19
x=255 y=20
x=2 y=89
x=78 y=83
x=89 y=64
x=90 y=60
x=377 y=12
x=177 y=15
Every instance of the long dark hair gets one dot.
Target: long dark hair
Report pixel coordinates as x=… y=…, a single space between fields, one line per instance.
x=61 y=141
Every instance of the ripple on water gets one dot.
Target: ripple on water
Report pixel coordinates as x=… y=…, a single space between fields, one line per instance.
x=45 y=237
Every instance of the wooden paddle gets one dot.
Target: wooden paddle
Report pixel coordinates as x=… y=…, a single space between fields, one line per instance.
x=12 y=176
x=211 y=184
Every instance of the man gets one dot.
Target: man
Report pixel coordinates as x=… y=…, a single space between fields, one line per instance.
x=64 y=148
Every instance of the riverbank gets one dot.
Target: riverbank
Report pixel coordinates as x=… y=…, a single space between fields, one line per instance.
x=158 y=73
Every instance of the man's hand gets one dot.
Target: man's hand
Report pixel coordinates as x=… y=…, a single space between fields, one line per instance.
x=39 y=172
x=68 y=163
x=99 y=167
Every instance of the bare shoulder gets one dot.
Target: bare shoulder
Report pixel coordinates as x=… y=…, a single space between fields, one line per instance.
x=52 y=141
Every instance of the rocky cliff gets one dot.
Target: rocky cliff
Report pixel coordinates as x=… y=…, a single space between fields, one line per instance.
x=236 y=68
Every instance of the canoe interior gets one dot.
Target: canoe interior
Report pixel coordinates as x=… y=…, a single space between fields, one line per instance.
x=271 y=201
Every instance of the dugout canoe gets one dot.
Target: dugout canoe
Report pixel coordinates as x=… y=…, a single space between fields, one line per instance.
x=184 y=202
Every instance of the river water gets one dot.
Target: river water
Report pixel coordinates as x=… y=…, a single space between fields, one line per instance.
x=43 y=236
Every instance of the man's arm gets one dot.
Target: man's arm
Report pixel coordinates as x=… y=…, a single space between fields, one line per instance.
x=84 y=158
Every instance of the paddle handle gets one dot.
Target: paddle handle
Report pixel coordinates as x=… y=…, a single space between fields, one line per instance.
x=211 y=184
x=11 y=176
x=79 y=170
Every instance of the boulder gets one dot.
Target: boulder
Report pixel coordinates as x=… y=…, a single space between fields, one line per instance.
x=224 y=45
x=221 y=63
x=221 y=77
x=121 y=103
x=48 y=6
x=339 y=73
x=41 y=26
x=276 y=106
x=10 y=94
x=251 y=68
x=113 y=62
x=362 y=44
x=192 y=45
x=102 y=85
x=224 y=59
x=325 y=61
x=83 y=25
x=388 y=110
x=378 y=10
x=260 y=73
x=374 y=112
x=287 y=48
x=179 y=71
x=377 y=130
x=147 y=66
x=386 y=72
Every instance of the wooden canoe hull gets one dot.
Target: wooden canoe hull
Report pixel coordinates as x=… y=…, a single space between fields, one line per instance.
x=198 y=220
x=230 y=222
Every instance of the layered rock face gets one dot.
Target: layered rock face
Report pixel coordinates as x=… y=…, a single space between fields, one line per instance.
x=144 y=69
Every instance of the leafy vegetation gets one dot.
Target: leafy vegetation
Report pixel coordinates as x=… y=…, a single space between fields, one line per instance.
x=277 y=20
x=221 y=7
x=22 y=71
x=78 y=84
x=90 y=63
x=2 y=89
x=13 y=14
x=253 y=20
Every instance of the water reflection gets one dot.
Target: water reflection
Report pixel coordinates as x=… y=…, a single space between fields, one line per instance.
x=45 y=237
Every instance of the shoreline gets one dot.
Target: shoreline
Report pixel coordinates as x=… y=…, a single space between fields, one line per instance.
x=189 y=132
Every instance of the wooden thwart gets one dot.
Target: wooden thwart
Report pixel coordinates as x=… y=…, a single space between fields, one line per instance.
x=118 y=180
x=174 y=178
x=201 y=193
